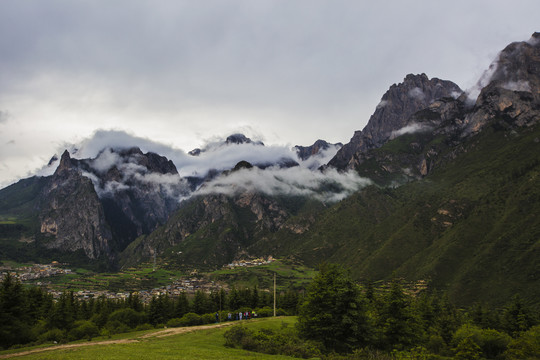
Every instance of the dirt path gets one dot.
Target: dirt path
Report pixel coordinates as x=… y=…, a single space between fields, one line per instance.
x=156 y=334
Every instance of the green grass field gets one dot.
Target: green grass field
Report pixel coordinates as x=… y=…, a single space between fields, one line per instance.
x=198 y=344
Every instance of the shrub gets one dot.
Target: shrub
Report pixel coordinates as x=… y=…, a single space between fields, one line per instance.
x=284 y=341
x=526 y=346
x=190 y=319
x=83 y=329
x=175 y=322
x=53 y=335
x=128 y=316
x=145 y=326
x=116 y=327
x=208 y=318
x=492 y=342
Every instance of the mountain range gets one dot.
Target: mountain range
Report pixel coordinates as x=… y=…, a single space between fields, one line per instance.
x=441 y=185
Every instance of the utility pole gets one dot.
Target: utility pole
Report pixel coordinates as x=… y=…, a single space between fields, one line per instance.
x=154 y=260
x=274 y=294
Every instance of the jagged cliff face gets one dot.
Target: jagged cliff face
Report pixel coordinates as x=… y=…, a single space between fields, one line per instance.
x=138 y=191
x=415 y=93
x=513 y=92
x=71 y=214
x=101 y=205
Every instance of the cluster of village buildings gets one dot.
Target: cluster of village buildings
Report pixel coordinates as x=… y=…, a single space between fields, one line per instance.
x=34 y=272
x=176 y=288
x=249 y=263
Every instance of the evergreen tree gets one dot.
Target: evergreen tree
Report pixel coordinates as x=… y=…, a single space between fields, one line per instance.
x=333 y=312
x=14 y=320
x=201 y=303
x=181 y=306
x=234 y=299
x=401 y=329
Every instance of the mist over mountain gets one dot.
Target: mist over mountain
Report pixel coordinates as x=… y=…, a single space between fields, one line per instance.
x=441 y=184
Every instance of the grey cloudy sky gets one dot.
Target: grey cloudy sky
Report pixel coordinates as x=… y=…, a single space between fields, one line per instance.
x=182 y=72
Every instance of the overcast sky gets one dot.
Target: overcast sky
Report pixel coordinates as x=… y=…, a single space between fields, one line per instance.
x=184 y=72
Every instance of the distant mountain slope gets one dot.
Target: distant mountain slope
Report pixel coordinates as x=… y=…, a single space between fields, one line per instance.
x=453 y=195
x=471 y=226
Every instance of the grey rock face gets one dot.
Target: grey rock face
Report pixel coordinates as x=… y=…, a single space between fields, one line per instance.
x=71 y=213
x=415 y=93
x=513 y=91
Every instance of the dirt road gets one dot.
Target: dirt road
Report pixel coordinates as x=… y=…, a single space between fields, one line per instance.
x=160 y=333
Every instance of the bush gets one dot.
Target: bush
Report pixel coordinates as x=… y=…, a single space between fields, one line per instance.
x=492 y=342
x=208 y=318
x=235 y=335
x=266 y=311
x=175 y=322
x=116 y=327
x=526 y=346
x=190 y=319
x=83 y=329
x=53 y=335
x=128 y=316
x=284 y=342
x=145 y=326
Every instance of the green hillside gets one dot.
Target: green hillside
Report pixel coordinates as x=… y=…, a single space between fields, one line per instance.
x=471 y=226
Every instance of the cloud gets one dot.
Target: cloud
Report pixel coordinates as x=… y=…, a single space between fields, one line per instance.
x=409 y=129
x=4 y=116
x=106 y=160
x=417 y=93
x=327 y=186
x=520 y=85
x=382 y=104
x=316 y=161
x=485 y=79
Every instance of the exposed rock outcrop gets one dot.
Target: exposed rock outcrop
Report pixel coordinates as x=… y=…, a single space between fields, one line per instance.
x=397 y=105
x=72 y=215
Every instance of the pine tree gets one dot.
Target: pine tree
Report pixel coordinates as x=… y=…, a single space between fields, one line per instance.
x=333 y=312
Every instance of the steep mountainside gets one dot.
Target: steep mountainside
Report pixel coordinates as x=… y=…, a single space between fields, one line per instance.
x=463 y=218
x=401 y=101
x=93 y=207
x=454 y=196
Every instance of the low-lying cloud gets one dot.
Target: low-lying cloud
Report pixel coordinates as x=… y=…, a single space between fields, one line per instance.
x=417 y=93
x=485 y=79
x=520 y=85
x=327 y=186
x=410 y=129
x=304 y=179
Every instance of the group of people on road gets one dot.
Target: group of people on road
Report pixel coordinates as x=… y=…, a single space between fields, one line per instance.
x=246 y=315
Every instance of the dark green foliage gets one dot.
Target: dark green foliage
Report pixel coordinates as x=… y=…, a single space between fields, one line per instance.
x=401 y=326
x=15 y=322
x=190 y=319
x=526 y=346
x=284 y=342
x=128 y=317
x=333 y=312
x=491 y=343
x=83 y=329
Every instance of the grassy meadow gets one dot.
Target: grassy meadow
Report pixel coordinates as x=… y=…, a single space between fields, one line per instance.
x=207 y=343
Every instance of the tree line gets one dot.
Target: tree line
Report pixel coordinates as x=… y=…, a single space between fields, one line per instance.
x=337 y=318
x=30 y=315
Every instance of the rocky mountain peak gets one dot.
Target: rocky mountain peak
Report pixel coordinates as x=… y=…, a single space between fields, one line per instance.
x=513 y=87
x=241 y=139
x=397 y=105
x=65 y=163
x=305 y=152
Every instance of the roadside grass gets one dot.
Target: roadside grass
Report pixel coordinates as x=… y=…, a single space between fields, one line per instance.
x=198 y=344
